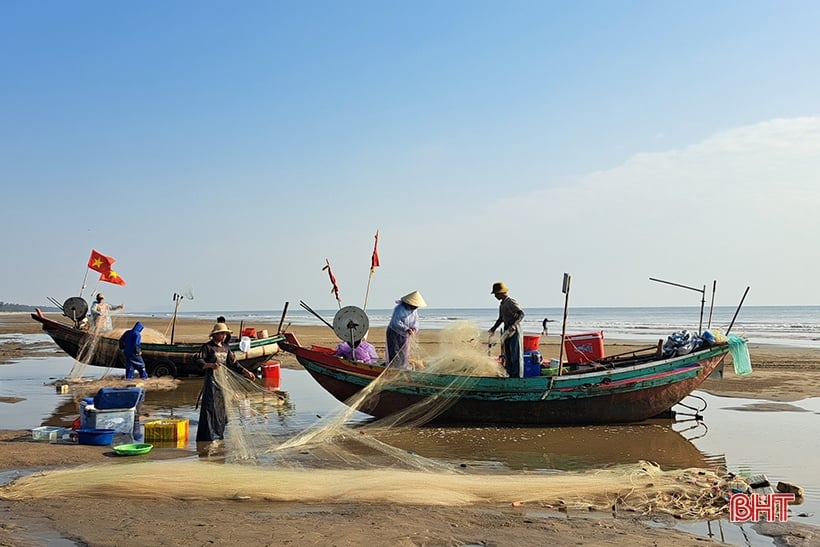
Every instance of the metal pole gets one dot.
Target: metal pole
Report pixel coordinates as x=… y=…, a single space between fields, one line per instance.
x=282 y=320
x=565 y=289
x=702 y=298
x=737 y=311
x=174 y=320
x=308 y=308
x=712 y=304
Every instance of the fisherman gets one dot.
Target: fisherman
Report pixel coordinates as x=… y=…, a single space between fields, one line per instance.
x=511 y=315
x=131 y=345
x=100 y=314
x=404 y=323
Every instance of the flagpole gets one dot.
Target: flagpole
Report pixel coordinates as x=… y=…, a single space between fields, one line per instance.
x=85 y=278
x=367 y=292
x=374 y=262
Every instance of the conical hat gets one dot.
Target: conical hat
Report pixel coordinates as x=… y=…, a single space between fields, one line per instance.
x=220 y=327
x=414 y=299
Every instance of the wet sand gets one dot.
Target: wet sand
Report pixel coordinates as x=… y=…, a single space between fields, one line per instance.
x=780 y=374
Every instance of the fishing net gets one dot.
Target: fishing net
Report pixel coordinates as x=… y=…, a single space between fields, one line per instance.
x=640 y=488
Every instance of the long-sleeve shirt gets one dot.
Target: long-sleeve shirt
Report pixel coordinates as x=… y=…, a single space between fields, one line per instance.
x=509 y=313
x=211 y=352
x=404 y=318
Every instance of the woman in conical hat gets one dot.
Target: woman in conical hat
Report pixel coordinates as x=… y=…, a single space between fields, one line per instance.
x=214 y=354
x=403 y=324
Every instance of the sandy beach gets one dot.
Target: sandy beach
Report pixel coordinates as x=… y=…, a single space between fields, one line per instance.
x=780 y=374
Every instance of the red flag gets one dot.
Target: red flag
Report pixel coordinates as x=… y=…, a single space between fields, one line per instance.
x=112 y=277
x=374 y=260
x=335 y=289
x=99 y=262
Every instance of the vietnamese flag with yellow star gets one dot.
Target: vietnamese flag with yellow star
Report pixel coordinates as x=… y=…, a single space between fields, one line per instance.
x=99 y=262
x=112 y=277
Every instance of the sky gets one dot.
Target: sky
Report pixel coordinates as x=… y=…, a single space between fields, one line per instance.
x=225 y=150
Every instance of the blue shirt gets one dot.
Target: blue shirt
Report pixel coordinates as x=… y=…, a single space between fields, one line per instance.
x=404 y=318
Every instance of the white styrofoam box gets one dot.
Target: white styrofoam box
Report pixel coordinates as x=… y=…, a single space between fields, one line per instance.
x=121 y=420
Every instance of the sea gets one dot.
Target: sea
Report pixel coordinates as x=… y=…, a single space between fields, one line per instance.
x=796 y=326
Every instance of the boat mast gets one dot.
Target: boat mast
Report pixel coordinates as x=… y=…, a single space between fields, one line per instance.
x=564 y=289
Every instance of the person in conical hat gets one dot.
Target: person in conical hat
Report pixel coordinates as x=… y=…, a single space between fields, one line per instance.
x=510 y=315
x=403 y=324
x=215 y=353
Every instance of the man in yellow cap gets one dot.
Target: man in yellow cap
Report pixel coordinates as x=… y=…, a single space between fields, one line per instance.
x=511 y=315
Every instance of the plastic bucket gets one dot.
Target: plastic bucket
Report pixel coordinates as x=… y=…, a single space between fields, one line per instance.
x=96 y=437
x=531 y=342
x=271 y=369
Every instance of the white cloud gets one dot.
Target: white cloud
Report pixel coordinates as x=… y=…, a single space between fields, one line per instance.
x=739 y=207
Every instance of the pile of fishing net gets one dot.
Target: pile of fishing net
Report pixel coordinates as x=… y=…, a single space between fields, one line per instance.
x=642 y=488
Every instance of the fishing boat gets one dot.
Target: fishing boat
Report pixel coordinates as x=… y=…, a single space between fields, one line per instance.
x=617 y=389
x=161 y=359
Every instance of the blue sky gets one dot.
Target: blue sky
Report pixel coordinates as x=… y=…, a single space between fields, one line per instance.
x=230 y=148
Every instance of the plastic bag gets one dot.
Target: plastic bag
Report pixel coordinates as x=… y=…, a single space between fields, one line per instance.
x=740 y=355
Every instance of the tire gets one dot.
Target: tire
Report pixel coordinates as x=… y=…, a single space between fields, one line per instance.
x=162 y=367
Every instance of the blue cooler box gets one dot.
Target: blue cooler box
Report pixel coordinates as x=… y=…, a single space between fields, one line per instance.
x=117 y=397
x=532 y=363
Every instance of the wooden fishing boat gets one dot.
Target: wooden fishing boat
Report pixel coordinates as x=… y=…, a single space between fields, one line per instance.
x=617 y=389
x=176 y=359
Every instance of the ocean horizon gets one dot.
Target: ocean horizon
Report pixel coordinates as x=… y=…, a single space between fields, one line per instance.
x=797 y=326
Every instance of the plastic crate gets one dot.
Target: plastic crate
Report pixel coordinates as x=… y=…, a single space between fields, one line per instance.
x=48 y=433
x=166 y=431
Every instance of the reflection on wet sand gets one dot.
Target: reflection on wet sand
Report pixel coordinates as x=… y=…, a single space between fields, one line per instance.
x=564 y=448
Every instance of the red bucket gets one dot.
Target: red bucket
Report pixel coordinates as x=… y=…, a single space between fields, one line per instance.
x=271 y=374
x=531 y=342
